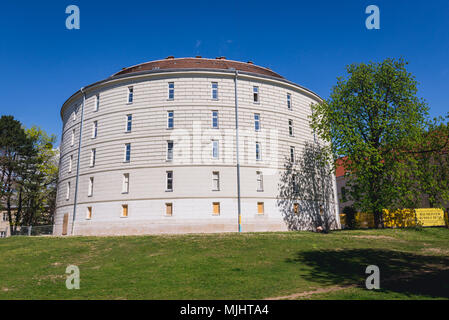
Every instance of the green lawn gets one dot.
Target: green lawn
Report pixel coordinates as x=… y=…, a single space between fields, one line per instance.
x=295 y=265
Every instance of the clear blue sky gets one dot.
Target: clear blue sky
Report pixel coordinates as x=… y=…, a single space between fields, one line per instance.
x=308 y=42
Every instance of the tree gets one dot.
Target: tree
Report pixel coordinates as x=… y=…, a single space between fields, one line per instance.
x=14 y=145
x=29 y=170
x=38 y=179
x=369 y=117
x=431 y=162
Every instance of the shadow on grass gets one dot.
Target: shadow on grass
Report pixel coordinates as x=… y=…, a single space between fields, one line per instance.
x=400 y=272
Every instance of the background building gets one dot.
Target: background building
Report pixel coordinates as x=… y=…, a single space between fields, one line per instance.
x=158 y=150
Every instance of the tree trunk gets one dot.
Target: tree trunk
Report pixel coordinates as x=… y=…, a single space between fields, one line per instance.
x=8 y=203
x=378 y=220
x=19 y=206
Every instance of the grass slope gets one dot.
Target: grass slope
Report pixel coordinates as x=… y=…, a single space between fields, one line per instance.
x=291 y=265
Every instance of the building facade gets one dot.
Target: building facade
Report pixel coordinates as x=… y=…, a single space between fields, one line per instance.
x=158 y=150
x=4 y=224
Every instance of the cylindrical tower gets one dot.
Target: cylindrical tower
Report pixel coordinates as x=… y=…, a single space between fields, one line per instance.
x=158 y=151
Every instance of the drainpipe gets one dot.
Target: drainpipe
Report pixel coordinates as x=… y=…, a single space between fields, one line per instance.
x=78 y=161
x=237 y=152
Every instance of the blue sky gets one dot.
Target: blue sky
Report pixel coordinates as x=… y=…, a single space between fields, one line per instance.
x=308 y=42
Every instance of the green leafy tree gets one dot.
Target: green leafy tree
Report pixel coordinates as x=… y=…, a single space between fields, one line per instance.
x=370 y=116
x=28 y=172
x=38 y=179
x=14 y=146
x=431 y=163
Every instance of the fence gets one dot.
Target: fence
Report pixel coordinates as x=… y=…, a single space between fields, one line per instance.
x=33 y=230
x=402 y=218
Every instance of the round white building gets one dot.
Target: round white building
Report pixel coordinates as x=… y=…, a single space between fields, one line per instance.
x=158 y=152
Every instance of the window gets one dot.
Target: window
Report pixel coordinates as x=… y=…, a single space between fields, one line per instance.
x=73 y=137
x=130 y=94
x=170 y=119
x=292 y=154
x=169 y=209
x=289 y=101
x=169 y=181
x=259 y=180
x=170 y=150
x=260 y=209
x=74 y=113
x=216 y=208
x=215 y=90
x=2 y=234
x=256 y=94
x=127 y=152
x=5 y=217
x=171 y=90
x=93 y=155
x=257 y=122
x=124 y=210
x=290 y=127
x=295 y=184
x=90 y=191
x=97 y=102
x=129 y=122
x=215 y=119
x=215 y=181
x=67 y=195
x=70 y=163
x=215 y=149
x=258 y=151
x=94 y=129
x=89 y=213
x=296 y=208
x=125 y=185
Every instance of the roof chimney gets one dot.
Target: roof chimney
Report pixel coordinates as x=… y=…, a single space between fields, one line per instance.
x=250 y=62
x=220 y=58
x=198 y=57
x=170 y=57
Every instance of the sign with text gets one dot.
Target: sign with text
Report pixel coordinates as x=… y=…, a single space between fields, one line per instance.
x=430 y=217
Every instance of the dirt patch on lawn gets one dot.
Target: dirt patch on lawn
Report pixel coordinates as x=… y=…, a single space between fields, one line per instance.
x=309 y=293
x=376 y=237
x=438 y=251
x=155 y=254
x=50 y=277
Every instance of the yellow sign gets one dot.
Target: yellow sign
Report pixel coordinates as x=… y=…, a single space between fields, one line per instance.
x=427 y=217
x=400 y=218
x=430 y=217
x=362 y=220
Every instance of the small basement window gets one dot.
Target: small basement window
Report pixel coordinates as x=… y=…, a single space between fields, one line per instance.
x=216 y=208
x=169 y=209
x=124 y=210
x=260 y=208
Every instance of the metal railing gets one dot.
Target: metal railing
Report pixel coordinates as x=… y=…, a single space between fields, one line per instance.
x=33 y=230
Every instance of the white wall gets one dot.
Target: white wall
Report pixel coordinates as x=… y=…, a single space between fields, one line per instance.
x=192 y=194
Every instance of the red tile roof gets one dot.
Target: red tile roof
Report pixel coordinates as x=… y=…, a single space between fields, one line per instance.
x=340 y=169
x=199 y=63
